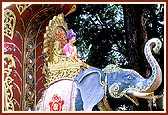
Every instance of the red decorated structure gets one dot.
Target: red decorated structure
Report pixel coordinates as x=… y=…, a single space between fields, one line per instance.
x=24 y=28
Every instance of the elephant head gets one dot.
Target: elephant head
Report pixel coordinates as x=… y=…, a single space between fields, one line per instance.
x=94 y=83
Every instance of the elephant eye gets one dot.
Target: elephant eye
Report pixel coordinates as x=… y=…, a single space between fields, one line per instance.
x=129 y=77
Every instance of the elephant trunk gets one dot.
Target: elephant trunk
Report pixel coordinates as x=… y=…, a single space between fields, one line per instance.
x=155 y=79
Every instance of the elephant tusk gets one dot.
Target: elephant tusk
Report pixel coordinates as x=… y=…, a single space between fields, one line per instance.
x=152 y=97
x=141 y=94
x=149 y=95
x=132 y=95
x=138 y=94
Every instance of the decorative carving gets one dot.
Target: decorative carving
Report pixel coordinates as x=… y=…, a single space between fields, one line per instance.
x=29 y=67
x=63 y=69
x=55 y=36
x=22 y=7
x=72 y=10
x=9 y=23
x=9 y=61
x=114 y=92
x=103 y=105
x=111 y=68
x=58 y=66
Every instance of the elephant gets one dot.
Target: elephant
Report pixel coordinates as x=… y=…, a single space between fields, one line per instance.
x=120 y=85
x=98 y=89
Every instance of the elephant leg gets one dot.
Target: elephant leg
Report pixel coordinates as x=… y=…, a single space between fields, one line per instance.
x=91 y=91
x=78 y=101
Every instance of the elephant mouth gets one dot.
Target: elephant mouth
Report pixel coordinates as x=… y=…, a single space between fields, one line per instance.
x=133 y=95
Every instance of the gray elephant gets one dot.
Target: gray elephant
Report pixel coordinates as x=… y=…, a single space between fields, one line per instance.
x=120 y=85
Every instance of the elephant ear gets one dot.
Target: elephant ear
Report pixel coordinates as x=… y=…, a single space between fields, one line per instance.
x=89 y=84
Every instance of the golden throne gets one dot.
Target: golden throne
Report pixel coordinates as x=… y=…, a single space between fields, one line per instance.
x=58 y=66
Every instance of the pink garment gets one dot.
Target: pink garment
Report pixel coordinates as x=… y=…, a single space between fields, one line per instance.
x=70 y=51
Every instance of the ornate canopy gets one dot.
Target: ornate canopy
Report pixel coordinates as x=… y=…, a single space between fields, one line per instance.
x=58 y=66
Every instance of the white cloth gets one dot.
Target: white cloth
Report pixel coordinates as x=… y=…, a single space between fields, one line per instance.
x=57 y=97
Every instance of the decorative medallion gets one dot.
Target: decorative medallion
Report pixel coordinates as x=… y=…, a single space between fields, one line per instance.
x=56 y=103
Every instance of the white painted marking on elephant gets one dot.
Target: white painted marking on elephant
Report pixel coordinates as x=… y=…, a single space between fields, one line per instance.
x=113 y=90
x=155 y=79
x=133 y=71
x=105 y=85
x=73 y=97
x=139 y=86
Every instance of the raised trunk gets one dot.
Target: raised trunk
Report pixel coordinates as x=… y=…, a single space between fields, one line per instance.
x=154 y=81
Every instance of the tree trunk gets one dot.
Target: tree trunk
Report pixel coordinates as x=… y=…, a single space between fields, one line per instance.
x=136 y=36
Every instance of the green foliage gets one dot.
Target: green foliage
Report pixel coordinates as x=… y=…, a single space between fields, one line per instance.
x=155 y=20
x=101 y=35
